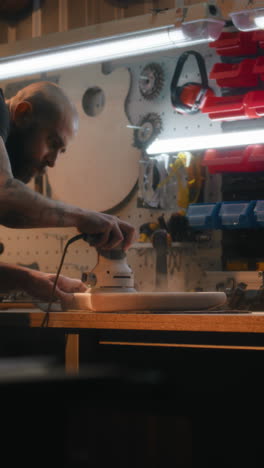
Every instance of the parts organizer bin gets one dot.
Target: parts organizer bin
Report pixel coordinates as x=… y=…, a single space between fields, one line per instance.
x=259 y=213
x=237 y=215
x=249 y=159
x=238 y=44
x=234 y=107
x=226 y=215
x=203 y=215
x=236 y=75
x=246 y=73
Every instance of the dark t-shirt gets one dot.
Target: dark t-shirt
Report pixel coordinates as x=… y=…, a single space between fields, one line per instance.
x=4 y=117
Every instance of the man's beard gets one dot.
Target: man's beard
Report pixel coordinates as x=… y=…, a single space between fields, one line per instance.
x=19 y=148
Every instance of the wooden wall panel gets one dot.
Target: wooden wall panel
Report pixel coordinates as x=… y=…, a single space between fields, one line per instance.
x=82 y=13
x=77 y=17
x=137 y=9
x=92 y=12
x=164 y=3
x=3 y=33
x=108 y=12
x=24 y=29
x=50 y=17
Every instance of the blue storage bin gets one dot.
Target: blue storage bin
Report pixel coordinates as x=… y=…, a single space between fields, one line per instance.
x=203 y=215
x=259 y=213
x=237 y=215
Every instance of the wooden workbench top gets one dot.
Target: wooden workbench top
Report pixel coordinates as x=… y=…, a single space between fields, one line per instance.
x=252 y=322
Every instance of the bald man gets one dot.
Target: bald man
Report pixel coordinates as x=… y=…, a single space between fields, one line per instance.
x=15 y=10
x=36 y=126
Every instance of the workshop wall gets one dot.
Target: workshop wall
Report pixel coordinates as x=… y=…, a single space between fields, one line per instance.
x=63 y=15
x=187 y=262
x=191 y=265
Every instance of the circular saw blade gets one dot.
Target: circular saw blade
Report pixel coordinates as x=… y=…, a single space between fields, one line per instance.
x=151 y=81
x=150 y=127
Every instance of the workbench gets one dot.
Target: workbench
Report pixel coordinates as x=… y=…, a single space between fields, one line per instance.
x=144 y=417
x=156 y=325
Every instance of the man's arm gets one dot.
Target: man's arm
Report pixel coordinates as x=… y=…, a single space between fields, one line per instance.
x=21 y=207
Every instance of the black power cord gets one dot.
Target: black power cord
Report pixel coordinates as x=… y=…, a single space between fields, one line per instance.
x=85 y=237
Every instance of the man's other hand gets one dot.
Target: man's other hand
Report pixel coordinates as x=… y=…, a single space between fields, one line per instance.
x=4 y=117
x=68 y=285
x=40 y=285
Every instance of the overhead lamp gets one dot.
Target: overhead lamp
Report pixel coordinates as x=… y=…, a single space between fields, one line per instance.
x=191 y=30
x=248 y=15
x=202 y=142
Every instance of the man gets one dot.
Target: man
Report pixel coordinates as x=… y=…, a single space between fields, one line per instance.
x=36 y=126
x=13 y=11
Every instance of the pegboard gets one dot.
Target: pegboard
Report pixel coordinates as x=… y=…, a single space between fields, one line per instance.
x=187 y=263
x=173 y=122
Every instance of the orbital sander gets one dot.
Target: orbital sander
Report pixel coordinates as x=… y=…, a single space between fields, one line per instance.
x=111 y=273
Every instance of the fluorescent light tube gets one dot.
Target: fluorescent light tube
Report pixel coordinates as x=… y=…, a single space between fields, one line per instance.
x=248 y=20
x=83 y=53
x=201 y=142
x=111 y=48
x=259 y=21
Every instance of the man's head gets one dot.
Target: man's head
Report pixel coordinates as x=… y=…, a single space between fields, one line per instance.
x=13 y=11
x=43 y=121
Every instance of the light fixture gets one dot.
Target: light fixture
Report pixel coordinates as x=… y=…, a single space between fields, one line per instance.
x=191 y=30
x=248 y=15
x=201 y=142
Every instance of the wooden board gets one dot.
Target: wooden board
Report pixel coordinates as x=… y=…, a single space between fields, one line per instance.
x=107 y=302
x=229 y=322
x=100 y=167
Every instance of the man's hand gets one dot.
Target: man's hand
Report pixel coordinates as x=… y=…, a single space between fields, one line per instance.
x=40 y=285
x=4 y=117
x=68 y=285
x=36 y=283
x=108 y=231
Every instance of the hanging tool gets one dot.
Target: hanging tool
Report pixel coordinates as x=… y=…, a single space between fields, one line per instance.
x=146 y=230
x=147 y=130
x=151 y=81
x=160 y=244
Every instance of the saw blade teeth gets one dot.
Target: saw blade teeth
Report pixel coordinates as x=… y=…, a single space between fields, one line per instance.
x=151 y=81
x=150 y=127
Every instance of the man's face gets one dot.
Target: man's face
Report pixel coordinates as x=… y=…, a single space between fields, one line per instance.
x=33 y=149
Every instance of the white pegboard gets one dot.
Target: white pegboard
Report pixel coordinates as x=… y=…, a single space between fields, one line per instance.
x=173 y=122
